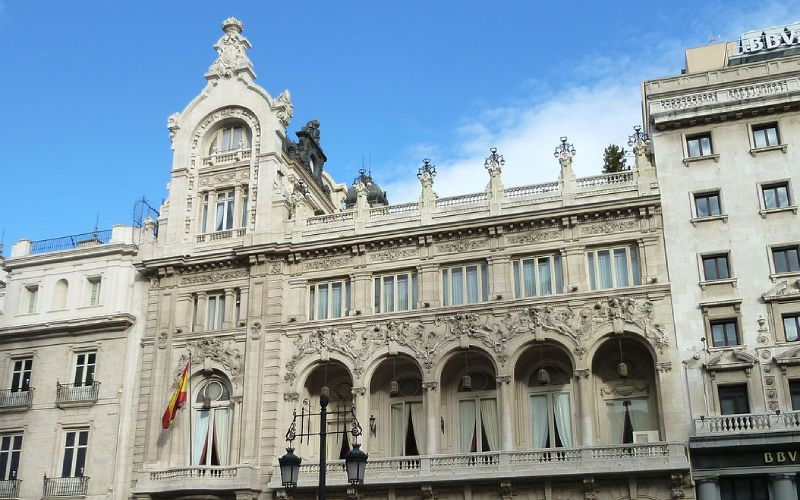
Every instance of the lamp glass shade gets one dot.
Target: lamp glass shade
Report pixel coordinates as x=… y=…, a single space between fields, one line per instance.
x=290 y=468
x=356 y=464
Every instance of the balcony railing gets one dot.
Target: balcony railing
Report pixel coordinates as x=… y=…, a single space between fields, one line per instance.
x=227 y=478
x=15 y=399
x=604 y=180
x=464 y=199
x=71 y=242
x=227 y=157
x=9 y=488
x=747 y=423
x=65 y=486
x=221 y=235
x=73 y=395
x=196 y=471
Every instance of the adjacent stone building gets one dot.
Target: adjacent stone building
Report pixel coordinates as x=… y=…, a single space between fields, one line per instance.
x=725 y=137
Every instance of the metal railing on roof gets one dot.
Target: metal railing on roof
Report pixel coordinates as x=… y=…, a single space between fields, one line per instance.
x=71 y=242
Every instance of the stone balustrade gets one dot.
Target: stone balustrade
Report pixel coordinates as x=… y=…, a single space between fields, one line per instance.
x=746 y=423
x=604 y=180
x=227 y=157
x=221 y=235
x=463 y=199
x=548 y=188
x=223 y=478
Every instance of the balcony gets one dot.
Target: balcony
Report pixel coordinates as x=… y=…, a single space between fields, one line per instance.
x=55 y=487
x=226 y=478
x=9 y=488
x=650 y=458
x=69 y=395
x=15 y=400
x=221 y=235
x=750 y=423
x=227 y=157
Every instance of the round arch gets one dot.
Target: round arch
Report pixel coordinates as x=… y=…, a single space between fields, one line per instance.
x=453 y=349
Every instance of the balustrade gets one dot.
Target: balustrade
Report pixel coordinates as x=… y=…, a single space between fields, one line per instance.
x=604 y=180
x=531 y=190
x=464 y=199
x=746 y=423
x=15 y=399
x=402 y=209
x=65 y=486
x=9 y=488
x=72 y=394
x=196 y=471
x=226 y=157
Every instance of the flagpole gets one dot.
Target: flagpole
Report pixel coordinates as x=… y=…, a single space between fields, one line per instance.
x=189 y=397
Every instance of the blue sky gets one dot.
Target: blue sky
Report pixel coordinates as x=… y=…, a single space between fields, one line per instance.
x=87 y=87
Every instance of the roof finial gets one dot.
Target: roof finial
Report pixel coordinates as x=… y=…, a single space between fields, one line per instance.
x=231 y=52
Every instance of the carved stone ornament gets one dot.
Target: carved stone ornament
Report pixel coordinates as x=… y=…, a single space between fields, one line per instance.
x=284 y=107
x=426 y=341
x=161 y=340
x=503 y=379
x=172 y=126
x=459 y=246
x=734 y=359
x=327 y=263
x=231 y=51
x=610 y=226
x=215 y=350
x=677 y=483
x=213 y=277
x=664 y=366
x=429 y=386
x=581 y=373
x=531 y=237
x=393 y=254
x=255 y=330
x=291 y=397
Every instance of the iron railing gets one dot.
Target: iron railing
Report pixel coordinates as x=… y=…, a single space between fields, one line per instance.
x=65 y=486
x=9 y=488
x=71 y=242
x=72 y=393
x=15 y=399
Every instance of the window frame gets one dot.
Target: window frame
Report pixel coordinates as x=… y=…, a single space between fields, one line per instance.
x=218 y=310
x=22 y=384
x=313 y=294
x=593 y=269
x=796 y=383
x=228 y=205
x=86 y=374
x=216 y=138
x=774 y=185
x=379 y=287
x=707 y=194
x=784 y=248
x=759 y=127
x=30 y=303
x=724 y=321
x=519 y=283
x=716 y=257
x=76 y=446
x=697 y=137
x=728 y=387
x=11 y=463
x=94 y=286
x=483 y=283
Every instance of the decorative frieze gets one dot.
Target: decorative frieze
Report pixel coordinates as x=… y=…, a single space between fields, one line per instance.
x=459 y=246
x=531 y=237
x=609 y=226
x=327 y=263
x=393 y=254
x=214 y=277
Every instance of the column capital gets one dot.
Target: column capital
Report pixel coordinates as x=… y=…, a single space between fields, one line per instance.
x=707 y=479
x=777 y=476
x=429 y=386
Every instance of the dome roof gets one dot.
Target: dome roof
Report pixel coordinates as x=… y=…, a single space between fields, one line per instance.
x=375 y=196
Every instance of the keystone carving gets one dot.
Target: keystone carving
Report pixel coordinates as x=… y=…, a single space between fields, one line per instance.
x=214 y=350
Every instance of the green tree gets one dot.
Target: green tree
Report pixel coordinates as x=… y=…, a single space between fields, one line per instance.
x=614 y=159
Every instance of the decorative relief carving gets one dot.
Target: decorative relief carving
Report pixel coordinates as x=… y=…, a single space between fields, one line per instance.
x=462 y=245
x=664 y=366
x=582 y=373
x=172 y=126
x=161 y=341
x=291 y=397
x=276 y=267
x=531 y=237
x=214 y=277
x=358 y=391
x=327 y=263
x=609 y=226
x=503 y=379
x=393 y=254
x=231 y=51
x=214 y=350
x=283 y=105
x=255 y=330
x=429 y=386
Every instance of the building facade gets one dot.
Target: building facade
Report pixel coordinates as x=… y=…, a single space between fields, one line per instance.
x=69 y=344
x=512 y=342
x=725 y=137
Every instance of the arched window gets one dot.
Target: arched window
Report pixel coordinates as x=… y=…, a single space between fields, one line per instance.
x=230 y=138
x=550 y=395
x=211 y=432
x=477 y=412
x=60 y=293
x=407 y=417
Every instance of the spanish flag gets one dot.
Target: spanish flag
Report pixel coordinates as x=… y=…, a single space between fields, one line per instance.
x=177 y=399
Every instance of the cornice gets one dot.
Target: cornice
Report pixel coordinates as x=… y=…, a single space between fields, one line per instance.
x=103 y=323
x=69 y=255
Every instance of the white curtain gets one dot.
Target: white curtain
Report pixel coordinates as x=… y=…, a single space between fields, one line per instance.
x=457 y=279
x=211 y=313
x=637 y=278
x=398 y=429
x=402 y=292
x=640 y=415
x=200 y=437
x=417 y=418
x=472 y=284
x=489 y=419
x=604 y=265
x=336 y=300
x=563 y=417
x=466 y=420
x=616 y=421
x=388 y=293
x=621 y=265
x=222 y=432
x=322 y=312
x=529 y=273
x=220 y=215
x=541 y=425
x=544 y=276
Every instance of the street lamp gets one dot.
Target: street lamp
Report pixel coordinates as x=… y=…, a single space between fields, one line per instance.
x=355 y=461
x=290 y=468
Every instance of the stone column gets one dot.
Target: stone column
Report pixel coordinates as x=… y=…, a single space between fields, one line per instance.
x=227 y=320
x=707 y=489
x=506 y=397
x=782 y=485
x=238 y=206
x=431 y=401
x=199 y=323
x=183 y=312
x=585 y=405
x=244 y=295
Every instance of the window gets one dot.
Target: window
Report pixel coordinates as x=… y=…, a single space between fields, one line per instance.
x=21 y=375
x=551 y=415
x=75 y=444
x=707 y=204
x=626 y=417
x=794 y=390
x=212 y=424
x=613 y=267
x=396 y=292
x=329 y=300
x=31 y=297
x=776 y=195
x=225 y=206
x=230 y=139
x=237 y=309
x=765 y=135
x=791 y=326
x=245 y=199
x=786 y=259
x=743 y=488
x=537 y=276
x=466 y=284
x=715 y=267
x=408 y=426
x=94 y=290
x=724 y=332
x=204 y=216
x=84 y=368
x=10 y=451
x=478 y=425
x=698 y=145
x=215 y=311
x=733 y=399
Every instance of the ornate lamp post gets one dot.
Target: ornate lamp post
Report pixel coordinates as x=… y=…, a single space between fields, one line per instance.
x=355 y=459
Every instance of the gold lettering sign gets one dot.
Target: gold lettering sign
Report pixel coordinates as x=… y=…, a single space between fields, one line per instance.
x=779 y=457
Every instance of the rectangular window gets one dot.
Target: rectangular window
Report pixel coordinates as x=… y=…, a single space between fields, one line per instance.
x=765 y=135
x=396 y=292
x=724 y=332
x=794 y=390
x=791 y=326
x=75 y=445
x=245 y=199
x=707 y=204
x=786 y=259
x=94 y=290
x=698 y=145
x=21 y=375
x=204 y=215
x=536 y=276
x=613 y=267
x=330 y=299
x=743 y=488
x=776 y=195
x=733 y=399
x=85 y=363
x=715 y=267
x=31 y=298
x=237 y=310
x=466 y=284
x=215 y=311
x=225 y=206
x=10 y=451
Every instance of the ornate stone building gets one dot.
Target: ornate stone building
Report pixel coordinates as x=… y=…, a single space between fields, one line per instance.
x=724 y=133
x=512 y=342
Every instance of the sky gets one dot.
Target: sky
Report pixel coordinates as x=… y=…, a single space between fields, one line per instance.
x=87 y=88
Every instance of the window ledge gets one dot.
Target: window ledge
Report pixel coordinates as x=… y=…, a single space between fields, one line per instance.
x=766 y=211
x=710 y=218
x=782 y=276
x=781 y=147
x=692 y=159
x=728 y=281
